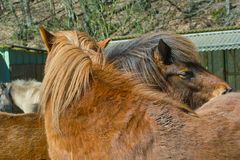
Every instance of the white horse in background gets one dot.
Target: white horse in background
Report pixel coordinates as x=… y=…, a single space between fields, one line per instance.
x=22 y=94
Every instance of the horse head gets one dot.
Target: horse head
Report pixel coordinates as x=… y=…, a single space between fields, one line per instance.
x=169 y=63
x=188 y=80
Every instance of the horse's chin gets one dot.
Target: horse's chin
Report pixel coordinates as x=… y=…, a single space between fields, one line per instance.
x=200 y=104
x=214 y=97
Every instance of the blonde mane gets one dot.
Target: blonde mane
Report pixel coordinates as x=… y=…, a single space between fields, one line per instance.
x=78 y=39
x=84 y=41
x=68 y=70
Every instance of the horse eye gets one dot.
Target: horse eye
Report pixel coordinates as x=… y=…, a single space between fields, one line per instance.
x=186 y=75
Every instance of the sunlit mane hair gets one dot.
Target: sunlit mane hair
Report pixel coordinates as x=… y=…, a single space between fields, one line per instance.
x=78 y=39
x=136 y=55
x=68 y=71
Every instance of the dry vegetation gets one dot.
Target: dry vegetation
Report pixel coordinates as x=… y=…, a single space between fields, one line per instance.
x=19 y=19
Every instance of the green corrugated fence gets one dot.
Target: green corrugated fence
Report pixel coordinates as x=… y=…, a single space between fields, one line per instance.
x=225 y=64
x=21 y=63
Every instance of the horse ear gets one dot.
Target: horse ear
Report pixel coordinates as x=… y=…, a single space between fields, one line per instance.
x=104 y=43
x=47 y=38
x=162 y=53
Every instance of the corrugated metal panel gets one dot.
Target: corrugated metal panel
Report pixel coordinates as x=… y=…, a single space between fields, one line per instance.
x=232 y=73
x=20 y=63
x=4 y=66
x=212 y=41
x=225 y=64
x=214 y=62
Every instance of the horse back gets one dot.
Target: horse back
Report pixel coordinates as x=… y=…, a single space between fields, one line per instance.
x=22 y=137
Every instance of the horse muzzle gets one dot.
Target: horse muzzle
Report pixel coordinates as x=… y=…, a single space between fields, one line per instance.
x=222 y=91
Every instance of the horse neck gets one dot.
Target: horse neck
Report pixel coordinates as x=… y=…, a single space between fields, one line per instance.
x=111 y=87
x=119 y=115
x=114 y=110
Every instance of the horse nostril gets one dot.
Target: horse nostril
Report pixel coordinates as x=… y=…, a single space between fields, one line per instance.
x=227 y=90
x=224 y=92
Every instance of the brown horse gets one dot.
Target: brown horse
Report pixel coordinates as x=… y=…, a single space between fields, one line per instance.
x=169 y=63
x=92 y=111
x=22 y=136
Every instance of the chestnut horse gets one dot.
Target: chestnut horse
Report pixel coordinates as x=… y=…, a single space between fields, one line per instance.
x=92 y=111
x=22 y=137
x=22 y=96
x=169 y=63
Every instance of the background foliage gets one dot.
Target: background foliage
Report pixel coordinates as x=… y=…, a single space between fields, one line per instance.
x=19 y=19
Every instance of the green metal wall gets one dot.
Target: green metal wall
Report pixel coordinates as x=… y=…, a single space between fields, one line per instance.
x=4 y=66
x=225 y=64
x=18 y=63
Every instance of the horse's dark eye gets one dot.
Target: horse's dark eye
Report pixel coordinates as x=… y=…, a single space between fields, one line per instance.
x=186 y=75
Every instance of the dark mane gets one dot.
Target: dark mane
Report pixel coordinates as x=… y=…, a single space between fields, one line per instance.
x=183 y=50
x=137 y=55
x=169 y=63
